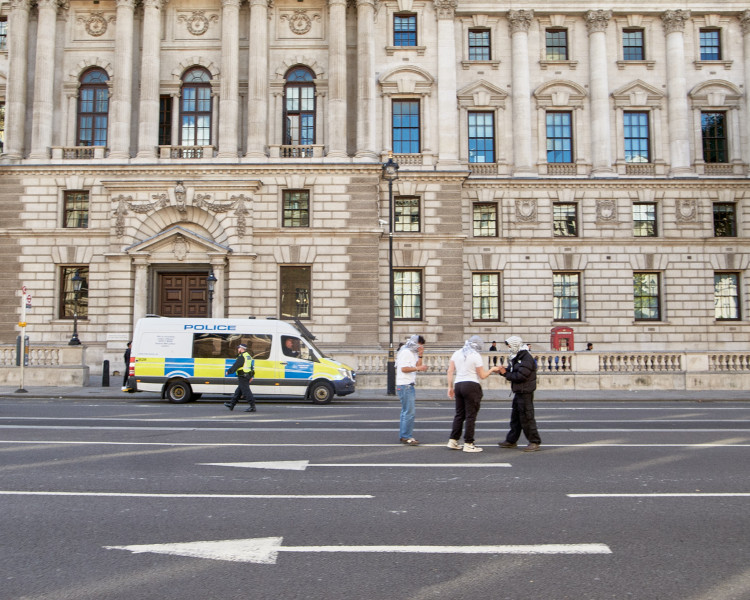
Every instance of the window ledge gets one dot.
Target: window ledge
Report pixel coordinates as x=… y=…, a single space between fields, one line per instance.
x=649 y=64
x=699 y=64
x=571 y=64
x=391 y=50
x=495 y=64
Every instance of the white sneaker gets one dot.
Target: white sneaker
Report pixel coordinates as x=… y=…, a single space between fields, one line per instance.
x=454 y=445
x=471 y=448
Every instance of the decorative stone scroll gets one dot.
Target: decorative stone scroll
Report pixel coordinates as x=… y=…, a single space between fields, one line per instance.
x=95 y=23
x=300 y=22
x=198 y=22
x=597 y=20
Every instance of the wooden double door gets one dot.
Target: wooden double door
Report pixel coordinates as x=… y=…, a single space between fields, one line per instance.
x=183 y=295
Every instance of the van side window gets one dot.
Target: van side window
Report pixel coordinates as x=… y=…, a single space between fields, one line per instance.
x=224 y=345
x=295 y=348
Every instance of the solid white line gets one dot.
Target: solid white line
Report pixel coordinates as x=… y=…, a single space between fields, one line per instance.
x=214 y=496
x=667 y=495
x=353 y=445
x=504 y=549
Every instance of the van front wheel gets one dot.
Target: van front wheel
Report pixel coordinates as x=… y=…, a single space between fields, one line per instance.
x=321 y=393
x=179 y=392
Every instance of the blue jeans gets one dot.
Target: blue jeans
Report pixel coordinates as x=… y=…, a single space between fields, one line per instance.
x=408 y=397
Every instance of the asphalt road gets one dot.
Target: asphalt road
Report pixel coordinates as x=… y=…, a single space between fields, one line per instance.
x=141 y=500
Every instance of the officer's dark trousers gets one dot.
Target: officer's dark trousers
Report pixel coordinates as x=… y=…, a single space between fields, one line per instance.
x=243 y=391
x=522 y=419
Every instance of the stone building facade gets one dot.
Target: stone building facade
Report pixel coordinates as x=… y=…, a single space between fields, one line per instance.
x=578 y=164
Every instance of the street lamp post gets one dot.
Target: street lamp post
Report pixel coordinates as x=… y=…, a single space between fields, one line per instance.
x=77 y=284
x=211 y=282
x=390 y=173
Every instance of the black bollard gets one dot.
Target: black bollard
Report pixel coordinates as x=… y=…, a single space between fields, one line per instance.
x=105 y=374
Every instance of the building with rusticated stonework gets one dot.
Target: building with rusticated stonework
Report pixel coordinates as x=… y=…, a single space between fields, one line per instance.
x=562 y=163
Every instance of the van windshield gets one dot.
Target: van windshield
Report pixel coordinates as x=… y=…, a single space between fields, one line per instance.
x=224 y=345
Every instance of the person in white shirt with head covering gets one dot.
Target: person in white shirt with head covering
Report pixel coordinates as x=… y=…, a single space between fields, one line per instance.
x=408 y=363
x=465 y=370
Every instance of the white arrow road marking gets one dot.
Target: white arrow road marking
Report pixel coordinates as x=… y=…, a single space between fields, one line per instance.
x=301 y=465
x=265 y=550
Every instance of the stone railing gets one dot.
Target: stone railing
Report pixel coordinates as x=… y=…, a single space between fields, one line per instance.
x=78 y=152
x=186 y=151
x=586 y=370
x=297 y=151
x=47 y=365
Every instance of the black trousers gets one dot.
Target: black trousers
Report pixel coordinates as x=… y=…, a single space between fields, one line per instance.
x=243 y=390
x=522 y=419
x=468 y=396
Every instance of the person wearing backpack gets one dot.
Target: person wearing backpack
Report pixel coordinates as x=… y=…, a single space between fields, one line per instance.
x=521 y=373
x=244 y=366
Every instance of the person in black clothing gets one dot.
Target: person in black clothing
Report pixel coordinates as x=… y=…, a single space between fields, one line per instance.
x=521 y=373
x=126 y=356
x=243 y=366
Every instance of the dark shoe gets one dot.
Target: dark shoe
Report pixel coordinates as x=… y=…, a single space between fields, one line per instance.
x=532 y=448
x=229 y=405
x=251 y=409
x=409 y=441
x=507 y=444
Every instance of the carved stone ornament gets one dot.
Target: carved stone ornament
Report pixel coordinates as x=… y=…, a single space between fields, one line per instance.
x=745 y=21
x=597 y=20
x=520 y=20
x=687 y=210
x=299 y=22
x=180 y=247
x=446 y=9
x=95 y=23
x=526 y=210
x=125 y=203
x=198 y=22
x=606 y=210
x=674 y=20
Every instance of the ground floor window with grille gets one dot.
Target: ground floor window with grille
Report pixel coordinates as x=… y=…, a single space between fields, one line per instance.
x=566 y=296
x=646 y=297
x=407 y=295
x=727 y=296
x=68 y=304
x=485 y=296
x=295 y=291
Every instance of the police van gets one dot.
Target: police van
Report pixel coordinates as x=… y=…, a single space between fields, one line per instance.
x=185 y=358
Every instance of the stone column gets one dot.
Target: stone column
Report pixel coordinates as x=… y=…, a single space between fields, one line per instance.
x=140 y=288
x=15 y=94
x=44 y=77
x=520 y=21
x=337 y=131
x=230 y=90
x=148 y=119
x=257 y=81
x=217 y=308
x=679 y=131
x=447 y=110
x=601 y=139
x=745 y=23
x=123 y=82
x=366 y=105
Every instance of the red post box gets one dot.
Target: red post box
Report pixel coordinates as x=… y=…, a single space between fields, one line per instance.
x=561 y=338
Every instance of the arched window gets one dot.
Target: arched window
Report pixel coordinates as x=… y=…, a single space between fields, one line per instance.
x=93 y=108
x=195 y=108
x=299 y=107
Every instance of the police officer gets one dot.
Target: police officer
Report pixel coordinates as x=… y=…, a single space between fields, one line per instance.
x=243 y=366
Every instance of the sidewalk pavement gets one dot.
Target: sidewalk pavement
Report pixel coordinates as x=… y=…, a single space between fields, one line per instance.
x=113 y=393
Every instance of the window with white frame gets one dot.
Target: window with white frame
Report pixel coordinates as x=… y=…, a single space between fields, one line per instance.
x=485 y=296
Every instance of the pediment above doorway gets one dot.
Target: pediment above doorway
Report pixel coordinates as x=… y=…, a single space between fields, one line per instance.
x=179 y=244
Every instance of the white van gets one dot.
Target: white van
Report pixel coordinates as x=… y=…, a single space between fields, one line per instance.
x=184 y=358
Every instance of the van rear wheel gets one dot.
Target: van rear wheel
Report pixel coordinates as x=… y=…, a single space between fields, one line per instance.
x=321 y=393
x=179 y=392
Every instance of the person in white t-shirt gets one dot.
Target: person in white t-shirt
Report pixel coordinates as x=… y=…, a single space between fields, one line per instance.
x=465 y=371
x=408 y=363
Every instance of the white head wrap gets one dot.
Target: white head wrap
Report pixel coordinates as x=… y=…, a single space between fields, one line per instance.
x=473 y=344
x=515 y=345
x=412 y=344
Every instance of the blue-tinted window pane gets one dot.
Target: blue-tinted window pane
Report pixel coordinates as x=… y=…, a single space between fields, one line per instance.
x=636 y=137
x=559 y=137
x=710 y=44
x=557 y=44
x=406 y=126
x=405 y=30
x=632 y=44
x=566 y=294
x=481 y=137
x=479 y=44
